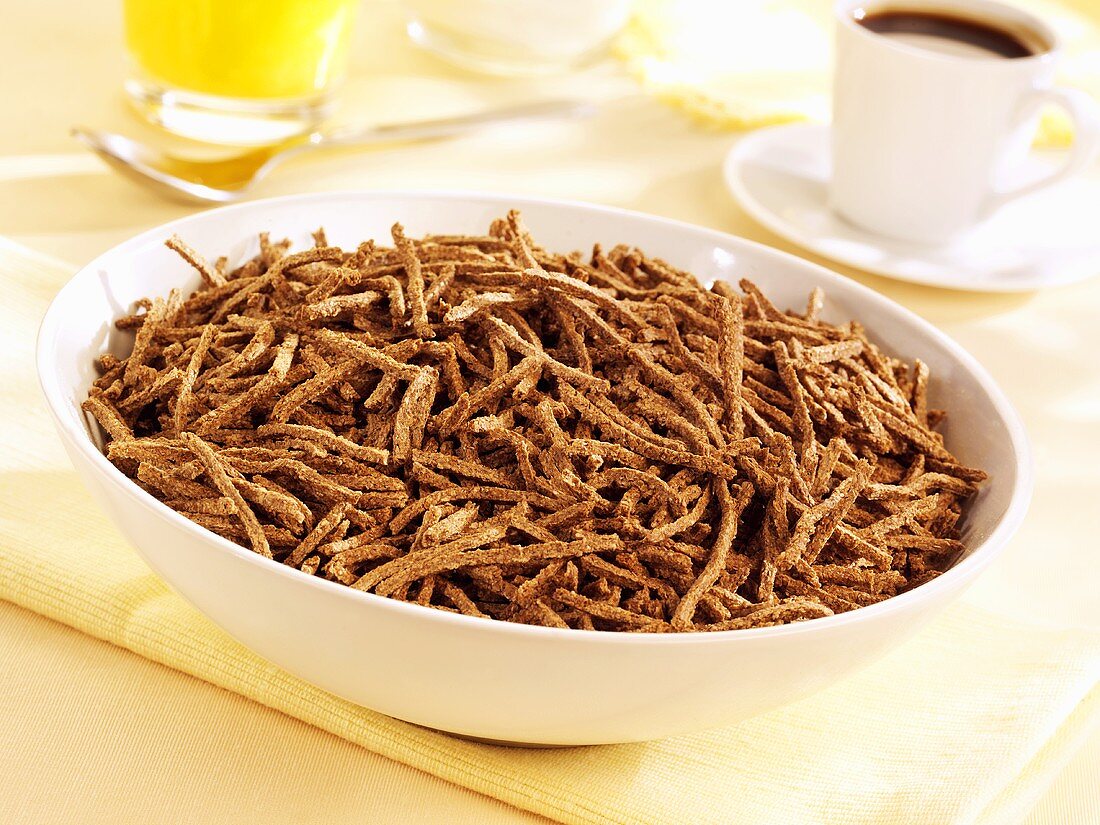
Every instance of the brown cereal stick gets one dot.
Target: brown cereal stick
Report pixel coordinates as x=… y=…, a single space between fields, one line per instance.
x=470 y=403
x=181 y=411
x=270 y=253
x=861 y=578
x=524 y=450
x=781 y=453
x=407 y=569
x=602 y=610
x=170 y=485
x=541 y=613
x=285 y=508
x=241 y=404
x=731 y=356
x=442 y=281
x=807 y=440
x=836 y=507
x=338 y=277
x=335 y=305
x=160 y=451
x=731 y=509
x=263 y=336
x=635 y=443
x=921 y=508
x=560 y=370
x=209 y=274
x=447 y=528
x=825 y=597
x=919 y=400
x=323 y=527
x=317 y=254
x=316 y=385
x=640 y=427
x=593 y=447
x=479 y=493
x=359 y=549
x=684 y=523
x=164 y=383
x=108 y=417
x=220 y=478
x=443 y=562
x=545 y=581
x=774 y=537
x=135 y=365
x=382 y=359
x=835 y=351
x=380 y=396
x=318 y=485
x=647 y=481
x=816 y=524
x=457 y=596
x=427 y=590
x=455 y=466
x=329 y=440
x=922 y=485
x=847 y=538
x=814 y=303
x=414 y=281
x=567 y=516
x=569 y=285
x=391 y=287
x=240 y=292
x=412 y=414
x=481 y=302
x=826 y=466
x=210 y=506
x=573 y=338
x=789 y=610
x=522 y=245
x=690 y=359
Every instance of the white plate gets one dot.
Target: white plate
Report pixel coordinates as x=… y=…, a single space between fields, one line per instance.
x=780 y=177
x=487 y=678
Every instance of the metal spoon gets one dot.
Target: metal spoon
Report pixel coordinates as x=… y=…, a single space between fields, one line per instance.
x=227 y=179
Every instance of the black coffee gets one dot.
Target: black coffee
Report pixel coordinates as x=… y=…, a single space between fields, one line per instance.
x=948 y=34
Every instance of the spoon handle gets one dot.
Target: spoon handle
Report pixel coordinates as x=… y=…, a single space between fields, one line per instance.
x=444 y=127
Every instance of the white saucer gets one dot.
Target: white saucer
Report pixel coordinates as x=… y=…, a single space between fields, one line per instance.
x=780 y=176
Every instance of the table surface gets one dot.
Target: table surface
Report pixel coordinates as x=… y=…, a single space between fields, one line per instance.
x=93 y=732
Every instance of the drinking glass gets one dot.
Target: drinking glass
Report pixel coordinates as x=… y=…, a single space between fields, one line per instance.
x=236 y=71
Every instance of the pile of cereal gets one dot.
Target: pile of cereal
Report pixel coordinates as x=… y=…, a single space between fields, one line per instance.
x=478 y=425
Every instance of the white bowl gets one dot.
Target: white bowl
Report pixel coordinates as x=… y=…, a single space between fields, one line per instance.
x=491 y=679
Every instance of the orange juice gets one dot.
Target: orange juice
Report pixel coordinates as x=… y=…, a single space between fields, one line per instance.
x=243 y=49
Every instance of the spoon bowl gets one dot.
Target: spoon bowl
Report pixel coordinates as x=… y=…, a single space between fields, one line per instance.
x=207 y=181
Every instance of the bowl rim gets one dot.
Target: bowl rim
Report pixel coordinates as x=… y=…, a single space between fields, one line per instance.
x=957 y=575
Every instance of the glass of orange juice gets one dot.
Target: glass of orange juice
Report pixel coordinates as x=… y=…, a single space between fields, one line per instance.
x=236 y=71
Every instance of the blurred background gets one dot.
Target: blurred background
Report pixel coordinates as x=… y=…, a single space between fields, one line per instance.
x=668 y=73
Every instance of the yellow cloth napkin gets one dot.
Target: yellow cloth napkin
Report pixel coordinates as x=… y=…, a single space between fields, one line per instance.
x=740 y=64
x=965 y=723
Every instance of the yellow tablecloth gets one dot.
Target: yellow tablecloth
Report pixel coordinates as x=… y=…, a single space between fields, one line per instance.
x=1002 y=753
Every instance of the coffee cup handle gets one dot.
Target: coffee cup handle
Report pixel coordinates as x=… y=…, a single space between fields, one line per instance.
x=1085 y=115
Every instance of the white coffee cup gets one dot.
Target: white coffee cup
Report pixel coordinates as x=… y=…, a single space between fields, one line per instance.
x=923 y=141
